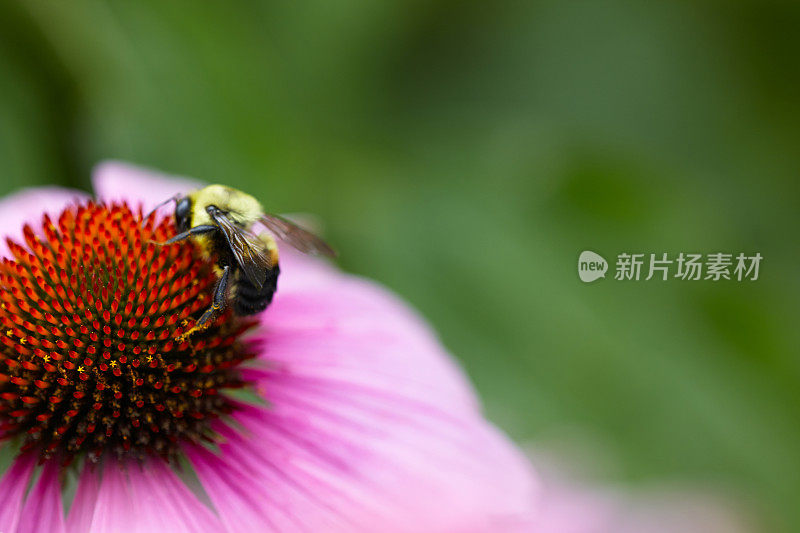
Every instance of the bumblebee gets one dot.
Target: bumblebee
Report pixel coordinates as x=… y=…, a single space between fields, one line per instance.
x=220 y=220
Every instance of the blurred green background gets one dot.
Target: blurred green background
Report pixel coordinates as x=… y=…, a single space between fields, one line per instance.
x=464 y=154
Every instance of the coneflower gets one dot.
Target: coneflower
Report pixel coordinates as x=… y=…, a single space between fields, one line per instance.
x=334 y=410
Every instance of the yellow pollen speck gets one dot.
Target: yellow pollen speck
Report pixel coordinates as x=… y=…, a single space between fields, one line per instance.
x=149 y=358
x=9 y=332
x=23 y=340
x=46 y=358
x=113 y=363
x=80 y=369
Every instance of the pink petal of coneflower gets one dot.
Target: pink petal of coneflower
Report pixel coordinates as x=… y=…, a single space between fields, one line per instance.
x=13 y=486
x=117 y=181
x=573 y=508
x=43 y=509
x=28 y=206
x=81 y=512
x=138 y=498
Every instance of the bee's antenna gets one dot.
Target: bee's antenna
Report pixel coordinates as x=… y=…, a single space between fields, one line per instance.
x=162 y=204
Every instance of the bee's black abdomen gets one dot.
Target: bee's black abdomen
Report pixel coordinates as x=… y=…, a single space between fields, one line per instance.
x=249 y=299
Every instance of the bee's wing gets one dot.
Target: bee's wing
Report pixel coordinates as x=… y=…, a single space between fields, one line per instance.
x=247 y=249
x=294 y=235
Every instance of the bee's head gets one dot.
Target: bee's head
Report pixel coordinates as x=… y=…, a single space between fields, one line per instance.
x=238 y=207
x=183 y=213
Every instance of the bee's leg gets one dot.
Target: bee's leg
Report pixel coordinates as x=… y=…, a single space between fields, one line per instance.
x=219 y=299
x=216 y=306
x=197 y=230
x=165 y=202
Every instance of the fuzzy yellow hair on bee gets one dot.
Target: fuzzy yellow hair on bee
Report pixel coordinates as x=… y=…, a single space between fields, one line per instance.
x=220 y=220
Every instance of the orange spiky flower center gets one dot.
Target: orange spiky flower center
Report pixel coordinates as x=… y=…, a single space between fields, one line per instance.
x=89 y=362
